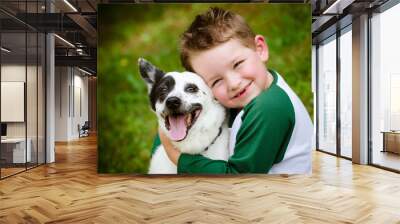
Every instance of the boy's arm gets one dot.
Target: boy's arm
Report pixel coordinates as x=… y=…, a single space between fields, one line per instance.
x=156 y=143
x=262 y=140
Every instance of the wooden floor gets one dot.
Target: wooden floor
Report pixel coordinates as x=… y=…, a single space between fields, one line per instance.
x=70 y=191
x=388 y=159
x=10 y=171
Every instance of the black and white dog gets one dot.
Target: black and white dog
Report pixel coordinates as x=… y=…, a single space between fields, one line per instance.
x=188 y=113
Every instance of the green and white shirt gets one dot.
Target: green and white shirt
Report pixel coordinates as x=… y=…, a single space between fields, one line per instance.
x=272 y=134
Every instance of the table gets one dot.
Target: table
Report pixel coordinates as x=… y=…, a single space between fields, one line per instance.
x=16 y=147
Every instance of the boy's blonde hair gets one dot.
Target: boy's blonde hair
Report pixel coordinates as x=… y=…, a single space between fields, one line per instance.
x=214 y=27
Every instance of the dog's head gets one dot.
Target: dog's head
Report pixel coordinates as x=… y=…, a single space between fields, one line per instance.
x=182 y=101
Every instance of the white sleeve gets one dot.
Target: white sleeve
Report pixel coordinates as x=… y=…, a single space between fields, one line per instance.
x=233 y=131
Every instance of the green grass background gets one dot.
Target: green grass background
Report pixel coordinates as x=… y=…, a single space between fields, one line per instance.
x=127 y=125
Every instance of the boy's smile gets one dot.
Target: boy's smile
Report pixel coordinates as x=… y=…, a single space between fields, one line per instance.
x=235 y=73
x=243 y=91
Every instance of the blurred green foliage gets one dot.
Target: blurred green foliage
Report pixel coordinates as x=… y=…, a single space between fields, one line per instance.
x=127 y=125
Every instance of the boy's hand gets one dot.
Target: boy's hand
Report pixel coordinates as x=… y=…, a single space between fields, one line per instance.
x=172 y=152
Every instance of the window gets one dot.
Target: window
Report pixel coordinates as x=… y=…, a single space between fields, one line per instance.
x=327 y=95
x=346 y=92
x=385 y=88
x=22 y=68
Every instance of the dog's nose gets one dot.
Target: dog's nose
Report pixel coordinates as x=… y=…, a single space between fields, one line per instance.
x=173 y=102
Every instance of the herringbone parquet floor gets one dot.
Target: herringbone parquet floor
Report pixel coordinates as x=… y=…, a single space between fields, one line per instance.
x=70 y=191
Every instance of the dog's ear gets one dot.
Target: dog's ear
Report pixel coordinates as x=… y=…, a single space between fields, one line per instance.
x=149 y=72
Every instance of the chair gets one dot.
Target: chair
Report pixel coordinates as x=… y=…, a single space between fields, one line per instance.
x=84 y=130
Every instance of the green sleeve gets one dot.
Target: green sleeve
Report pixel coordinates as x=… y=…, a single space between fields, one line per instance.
x=267 y=125
x=156 y=143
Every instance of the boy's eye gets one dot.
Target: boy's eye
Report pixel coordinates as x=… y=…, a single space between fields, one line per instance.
x=215 y=82
x=238 y=63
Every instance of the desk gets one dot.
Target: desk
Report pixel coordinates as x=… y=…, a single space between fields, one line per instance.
x=391 y=141
x=16 y=147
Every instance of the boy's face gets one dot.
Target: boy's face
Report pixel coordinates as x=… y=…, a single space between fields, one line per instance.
x=235 y=73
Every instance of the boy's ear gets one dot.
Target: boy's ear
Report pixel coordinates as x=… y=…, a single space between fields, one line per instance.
x=149 y=73
x=261 y=47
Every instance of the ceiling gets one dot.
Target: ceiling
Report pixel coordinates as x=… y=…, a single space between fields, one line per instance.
x=76 y=22
x=72 y=20
x=328 y=16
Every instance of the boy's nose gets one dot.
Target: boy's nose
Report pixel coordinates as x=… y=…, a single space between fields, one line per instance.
x=233 y=81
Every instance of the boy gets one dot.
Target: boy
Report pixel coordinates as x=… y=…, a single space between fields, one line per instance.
x=271 y=131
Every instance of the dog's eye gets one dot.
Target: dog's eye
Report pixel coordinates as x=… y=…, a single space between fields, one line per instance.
x=163 y=88
x=191 y=88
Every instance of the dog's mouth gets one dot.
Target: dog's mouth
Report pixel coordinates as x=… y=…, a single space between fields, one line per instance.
x=179 y=124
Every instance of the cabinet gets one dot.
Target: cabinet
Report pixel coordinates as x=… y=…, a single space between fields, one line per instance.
x=391 y=141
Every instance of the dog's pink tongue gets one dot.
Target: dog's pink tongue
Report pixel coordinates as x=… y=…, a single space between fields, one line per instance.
x=177 y=129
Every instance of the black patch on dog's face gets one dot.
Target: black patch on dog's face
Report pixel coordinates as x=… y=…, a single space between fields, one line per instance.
x=191 y=88
x=160 y=90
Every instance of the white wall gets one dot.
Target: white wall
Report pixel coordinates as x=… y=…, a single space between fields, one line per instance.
x=12 y=73
x=62 y=80
x=71 y=93
x=33 y=126
x=80 y=110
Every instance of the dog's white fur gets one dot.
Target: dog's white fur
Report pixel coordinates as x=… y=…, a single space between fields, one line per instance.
x=203 y=131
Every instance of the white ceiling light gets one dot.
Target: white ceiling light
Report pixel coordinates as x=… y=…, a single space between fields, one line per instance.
x=65 y=41
x=337 y=7
x=86 y=72
x=5 y=49
x=70 y=5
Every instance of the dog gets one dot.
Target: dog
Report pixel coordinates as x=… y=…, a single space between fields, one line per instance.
x=187 y=113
